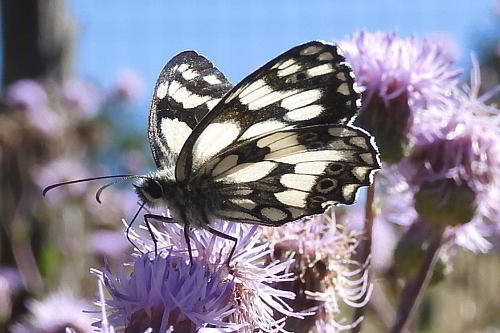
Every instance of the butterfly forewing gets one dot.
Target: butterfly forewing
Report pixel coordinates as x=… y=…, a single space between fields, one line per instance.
x=189 y=86
x=307 y=85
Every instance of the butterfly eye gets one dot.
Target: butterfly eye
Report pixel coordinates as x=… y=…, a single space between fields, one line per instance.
x=154 y=189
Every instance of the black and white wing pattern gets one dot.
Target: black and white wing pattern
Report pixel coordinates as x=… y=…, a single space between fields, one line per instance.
x=288 y=174
x=307 y=85
x=280 y=144
x=189 y=86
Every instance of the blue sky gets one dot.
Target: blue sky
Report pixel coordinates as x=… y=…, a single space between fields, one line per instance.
x=239 y=36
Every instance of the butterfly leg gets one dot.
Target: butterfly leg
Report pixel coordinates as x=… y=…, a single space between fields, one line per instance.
x=130 y=226
x=188 y=243
x=225 y=236
x=158 y=218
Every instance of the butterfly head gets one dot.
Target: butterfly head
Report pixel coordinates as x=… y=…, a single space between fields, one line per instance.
x=155 y=190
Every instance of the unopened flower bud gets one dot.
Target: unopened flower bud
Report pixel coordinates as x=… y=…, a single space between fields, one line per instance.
x=445 y=203
x=389 y=121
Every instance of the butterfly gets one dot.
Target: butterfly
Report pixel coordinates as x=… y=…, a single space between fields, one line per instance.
x=277 y=147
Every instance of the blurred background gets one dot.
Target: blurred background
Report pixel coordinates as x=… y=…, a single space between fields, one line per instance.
x=77 y=78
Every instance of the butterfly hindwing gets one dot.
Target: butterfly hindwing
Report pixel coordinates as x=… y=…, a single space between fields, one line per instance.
x=289 y=174
x=188 y=87
x=307 y=85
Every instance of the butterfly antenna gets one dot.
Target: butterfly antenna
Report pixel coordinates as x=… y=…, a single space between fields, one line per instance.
x=48 y=188
x=102 y=188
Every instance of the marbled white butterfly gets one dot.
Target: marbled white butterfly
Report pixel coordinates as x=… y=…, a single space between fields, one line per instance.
x=278 y=146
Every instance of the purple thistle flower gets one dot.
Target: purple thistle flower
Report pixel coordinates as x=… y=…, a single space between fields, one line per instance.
x=327 y=274
x=390 y=66
x=461 y=143
x=10 y=285
x=31 y=97
x=245 y=298
x=398 y=207
x=166 y=291
x=398 y=77
x=82 y=96
x=58 y=312
x=462 y=147
x=453 y=173
x=26 y=94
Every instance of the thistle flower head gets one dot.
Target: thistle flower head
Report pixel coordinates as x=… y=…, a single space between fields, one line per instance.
x=163 y=292
x=452 y=175
x=326 y=273
x=390 y=66
x=26 y=94
x=31 y=97
x=399 y=207
x=56 y=313
x=10 y=285
x=459 y=143
x=241 y=296
x=459 y=146
x=398 y=77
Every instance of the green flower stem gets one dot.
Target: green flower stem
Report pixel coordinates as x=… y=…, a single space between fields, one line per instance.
x=414 y=290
